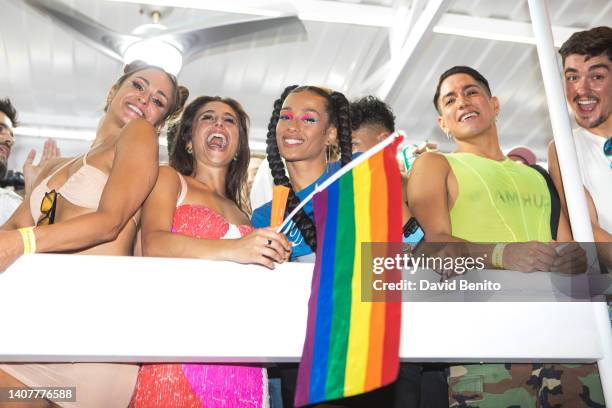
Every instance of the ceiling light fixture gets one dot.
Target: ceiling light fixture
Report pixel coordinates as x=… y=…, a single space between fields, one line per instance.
x=170 y=48
x=155 y=52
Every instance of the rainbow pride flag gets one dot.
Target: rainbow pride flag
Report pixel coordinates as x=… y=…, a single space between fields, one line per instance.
x=352 y=347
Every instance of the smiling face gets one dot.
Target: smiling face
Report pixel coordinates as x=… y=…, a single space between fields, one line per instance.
x=466 y=108
x=215 y=134
x=588 y=86
x=145 y=94
x=303 y=130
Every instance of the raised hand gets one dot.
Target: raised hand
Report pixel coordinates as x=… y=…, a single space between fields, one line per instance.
x=30 y=171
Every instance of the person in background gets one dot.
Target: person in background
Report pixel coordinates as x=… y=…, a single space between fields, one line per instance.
x=418 y=385
x=372 y=121
x=9 y=200
x=587 y=70
x=522 y=154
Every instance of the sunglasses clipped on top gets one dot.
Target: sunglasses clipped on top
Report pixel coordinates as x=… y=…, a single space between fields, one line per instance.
x=47 y=209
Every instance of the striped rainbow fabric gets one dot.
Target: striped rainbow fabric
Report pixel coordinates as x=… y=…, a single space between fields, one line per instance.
x=352 y=347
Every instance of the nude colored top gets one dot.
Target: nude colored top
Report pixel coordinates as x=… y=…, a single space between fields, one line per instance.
x=83 y=188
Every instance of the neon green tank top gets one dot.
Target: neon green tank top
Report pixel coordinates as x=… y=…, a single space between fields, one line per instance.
x=498 y=201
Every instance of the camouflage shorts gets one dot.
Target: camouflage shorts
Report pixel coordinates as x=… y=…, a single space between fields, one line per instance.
x=525 y=386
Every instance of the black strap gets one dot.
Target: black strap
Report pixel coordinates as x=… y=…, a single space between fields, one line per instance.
x=555 y=201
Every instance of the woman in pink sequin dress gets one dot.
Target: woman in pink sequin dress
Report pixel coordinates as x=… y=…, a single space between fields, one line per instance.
x=195 y=210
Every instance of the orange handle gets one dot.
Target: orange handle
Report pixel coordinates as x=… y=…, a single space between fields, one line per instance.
x=279 y=204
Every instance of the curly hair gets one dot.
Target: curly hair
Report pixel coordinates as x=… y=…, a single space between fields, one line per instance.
x=179 y=96
x=338 y=111
x=9 y=110
x=181 y=132
x=370 y=110
x=589 y=43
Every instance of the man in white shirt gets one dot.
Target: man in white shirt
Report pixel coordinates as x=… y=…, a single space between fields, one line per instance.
x=587 y=68
x=9 y=201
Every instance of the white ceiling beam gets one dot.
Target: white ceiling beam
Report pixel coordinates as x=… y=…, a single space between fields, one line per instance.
x=416 y=38
x=496 y=29
x=368 y=15
x=415 y=12
x=306 y=10
x=398 y=32
x=367 y=56
x=377 y=77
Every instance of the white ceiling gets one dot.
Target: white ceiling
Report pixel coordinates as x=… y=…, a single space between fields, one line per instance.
x=56 y=80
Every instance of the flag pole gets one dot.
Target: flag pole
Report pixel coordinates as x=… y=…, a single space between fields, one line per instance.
x=570 y=171
x=362 y=157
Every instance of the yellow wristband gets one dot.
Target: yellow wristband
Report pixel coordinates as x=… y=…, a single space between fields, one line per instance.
x=29 y=240
x=497 y=256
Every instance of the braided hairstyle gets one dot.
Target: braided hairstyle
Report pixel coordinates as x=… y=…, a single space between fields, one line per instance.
x=338 y=111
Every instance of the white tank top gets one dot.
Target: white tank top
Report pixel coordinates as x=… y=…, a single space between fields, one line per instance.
x=596 y=173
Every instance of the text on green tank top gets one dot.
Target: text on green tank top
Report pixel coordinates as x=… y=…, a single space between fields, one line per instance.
x=498 y=201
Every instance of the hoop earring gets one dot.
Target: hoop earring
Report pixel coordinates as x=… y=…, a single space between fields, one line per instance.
x=189 y=149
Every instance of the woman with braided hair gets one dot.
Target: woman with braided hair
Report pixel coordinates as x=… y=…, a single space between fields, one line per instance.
x=305 y=122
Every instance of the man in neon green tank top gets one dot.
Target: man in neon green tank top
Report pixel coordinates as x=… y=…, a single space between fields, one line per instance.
x=477 y=194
